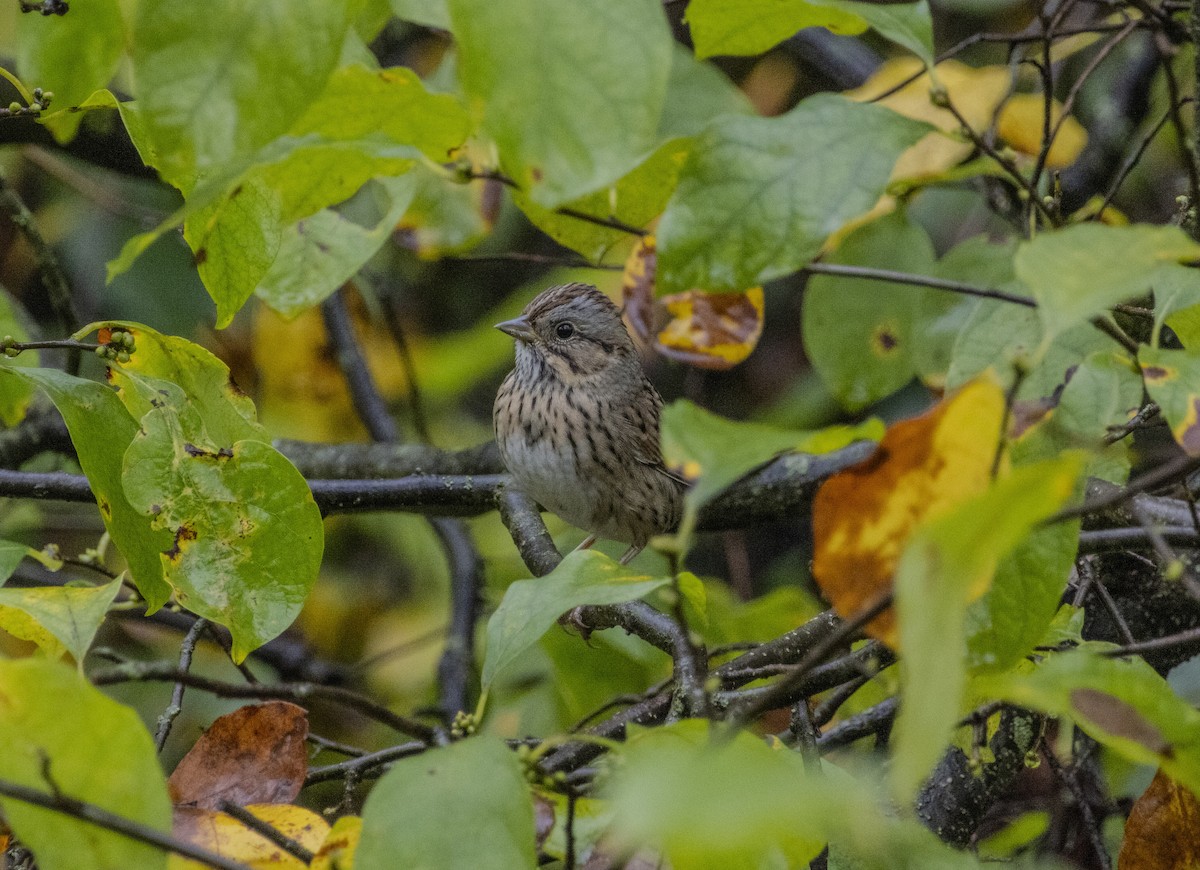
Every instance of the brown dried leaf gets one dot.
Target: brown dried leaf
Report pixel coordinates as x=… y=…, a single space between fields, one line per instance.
x=254 y=755
x=1163 y=831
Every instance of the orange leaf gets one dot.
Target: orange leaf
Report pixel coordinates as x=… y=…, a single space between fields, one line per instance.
x=256 y=754
x=864 y=516
x=1163 y=831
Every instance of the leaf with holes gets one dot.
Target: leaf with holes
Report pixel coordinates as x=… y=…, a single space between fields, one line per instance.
x=247 y=536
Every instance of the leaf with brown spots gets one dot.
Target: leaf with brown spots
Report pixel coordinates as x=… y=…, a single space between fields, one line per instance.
x=1172 y=379
x=1163 y=831
x=864 y=516
x=254 y=755
x=705 y=330
x=231 y=839
x=712 y=330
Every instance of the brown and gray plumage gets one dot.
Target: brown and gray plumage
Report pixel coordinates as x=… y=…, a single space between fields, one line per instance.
x=577 y=420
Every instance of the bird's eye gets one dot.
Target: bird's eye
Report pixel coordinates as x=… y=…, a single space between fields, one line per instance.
x=564 y=330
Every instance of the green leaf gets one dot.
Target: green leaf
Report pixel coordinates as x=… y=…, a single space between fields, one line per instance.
x=70 y=55
x=70 y=614
x=227 y=413
x=715 y=452
x=945 y=565
x=740 y=804
x=941 y=316
x=530 y=607
x=589 y=78
x=320 y=253
x=234 y=242
x=478 y=783
x=635 y=200
x=1004 y=337
x=863 y=337
x=202 y=111
x=759 y=196
x=1014 y=614
x=754 y=26
x=1104 y=390
x=101 y=429
x=1172 y=379
x=697 y=92
x=247 y=535
x=94 y=749
x=15 y=394
x=1080 y=271
x=386 y=105
x=1122 y=703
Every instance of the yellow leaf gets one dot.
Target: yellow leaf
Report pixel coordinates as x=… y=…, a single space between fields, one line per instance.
x=1021 y=124
x=976 y=93
x=227 y=836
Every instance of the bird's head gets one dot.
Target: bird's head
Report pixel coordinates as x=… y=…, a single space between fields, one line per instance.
x=576 y=332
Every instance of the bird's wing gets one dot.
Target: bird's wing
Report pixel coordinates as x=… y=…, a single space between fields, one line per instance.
x=644 y=415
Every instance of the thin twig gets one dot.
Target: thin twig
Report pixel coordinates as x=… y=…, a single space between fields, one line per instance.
x=133 y=672
x=363 y=764
x=961 y=287
x=457 y=662
x=780 y=692
x=416 y=404
x=167 y=719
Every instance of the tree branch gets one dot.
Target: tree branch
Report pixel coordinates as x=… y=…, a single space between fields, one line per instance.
x=299 y=693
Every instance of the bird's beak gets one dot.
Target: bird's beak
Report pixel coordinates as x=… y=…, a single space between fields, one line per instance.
x=519 y=328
